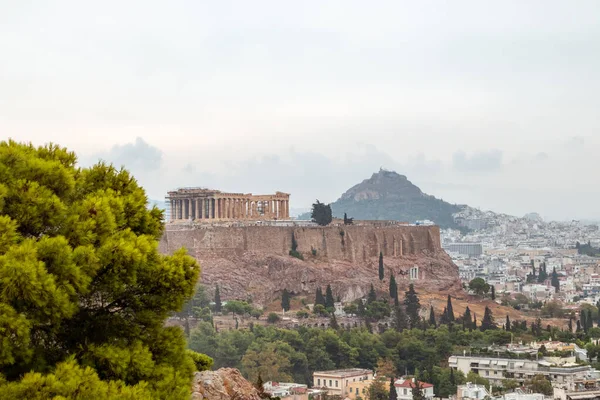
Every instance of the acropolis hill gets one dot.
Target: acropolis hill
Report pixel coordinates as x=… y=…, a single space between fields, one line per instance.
x=250 y=258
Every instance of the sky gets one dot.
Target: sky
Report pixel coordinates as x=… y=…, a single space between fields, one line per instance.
x=491 y=104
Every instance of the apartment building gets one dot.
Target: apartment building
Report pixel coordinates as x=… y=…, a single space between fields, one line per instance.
x=497 y=369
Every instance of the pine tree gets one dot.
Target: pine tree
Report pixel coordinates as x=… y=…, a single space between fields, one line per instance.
x=449 y=310
x=393 y=288
x=329 y=301
x=393 y=393
x=319 y=299
x=543 y=275
x=381 y=266
x=554 y=281
x=285 y=300
x=589 y=320
x=493 y=292
x=218 y=304
x=400 y=322
x=432 y=317
x=488 y=320
x=417 y=391
x=411 y=301
x=372 y=296
x=507 y=325
x=474 y=321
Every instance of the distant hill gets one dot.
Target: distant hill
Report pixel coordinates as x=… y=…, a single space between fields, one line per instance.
x=388 y=195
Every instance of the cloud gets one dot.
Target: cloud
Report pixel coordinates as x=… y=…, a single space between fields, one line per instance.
x=137 y=157
x=485 y=161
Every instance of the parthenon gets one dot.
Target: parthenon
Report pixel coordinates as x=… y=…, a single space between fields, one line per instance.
x=205 y=204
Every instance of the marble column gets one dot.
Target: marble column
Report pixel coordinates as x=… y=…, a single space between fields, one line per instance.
x=173 y=209
x=180 y=209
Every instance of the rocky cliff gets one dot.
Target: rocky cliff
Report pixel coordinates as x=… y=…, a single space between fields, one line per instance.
x=254 y=261
x=223 y=384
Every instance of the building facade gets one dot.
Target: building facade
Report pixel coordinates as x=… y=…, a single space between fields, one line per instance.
x=404 y=389
x=200 y=204
x=337 y=382
x=522 y=370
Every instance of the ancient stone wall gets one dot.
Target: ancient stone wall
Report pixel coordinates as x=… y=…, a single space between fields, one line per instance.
x=349 y=243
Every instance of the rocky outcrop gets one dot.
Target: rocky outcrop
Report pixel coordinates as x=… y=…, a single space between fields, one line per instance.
x=253 y=261
x=223 y=384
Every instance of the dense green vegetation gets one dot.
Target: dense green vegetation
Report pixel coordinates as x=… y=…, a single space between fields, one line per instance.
x=587 y=249
x=84 y=293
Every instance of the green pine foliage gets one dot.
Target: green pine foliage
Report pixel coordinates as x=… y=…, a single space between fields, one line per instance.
x=84 y=292
x=321 y=213
x=381 y=271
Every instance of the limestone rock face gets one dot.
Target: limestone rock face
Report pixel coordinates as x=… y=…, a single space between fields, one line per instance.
x=253 y=262
x=223 y=384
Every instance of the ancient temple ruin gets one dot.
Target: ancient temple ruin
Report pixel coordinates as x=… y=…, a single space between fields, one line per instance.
x=205 y=204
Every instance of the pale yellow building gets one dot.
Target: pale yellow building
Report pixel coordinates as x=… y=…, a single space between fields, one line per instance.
x=359 y=389
x=337 y=382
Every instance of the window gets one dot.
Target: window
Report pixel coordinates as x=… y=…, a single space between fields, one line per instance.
x=357 y=388
x=319 y=380
x=336 y=383
x=404 y=389
x=330 y=385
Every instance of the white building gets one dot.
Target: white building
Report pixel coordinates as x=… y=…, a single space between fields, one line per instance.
x=281 y=389
x=497 y=369
x=471 y=391
x=404 y=389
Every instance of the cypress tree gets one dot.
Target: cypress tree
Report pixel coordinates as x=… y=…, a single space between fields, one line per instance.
x=400 y=322
x=319 y=299
x=218 y=304
x=554 y=281
x=578 y=327
x=380 y=266
x=570 y=326
x=432 y=317
x=393 y=393
x=329 y=301
x=393 y=289
x=493 y=293
x=507 y=325
x=372 y=296
x=533 y=268
x=488 y=320
x=258 y=385
x=583 y=319
x=361 y=308
x=467 y=320
x=285 y=300
x=589 y=319
x=411 y=301
x=333 y=322
x=449 y=310
x=444 y=317
x=474 y=321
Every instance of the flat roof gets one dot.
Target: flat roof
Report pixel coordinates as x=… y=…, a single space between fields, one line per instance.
x=345 y=372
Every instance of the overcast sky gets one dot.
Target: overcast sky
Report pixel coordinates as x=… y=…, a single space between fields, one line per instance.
x=493 y=104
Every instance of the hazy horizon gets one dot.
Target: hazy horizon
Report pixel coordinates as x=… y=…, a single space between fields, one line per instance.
x=493 y=105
